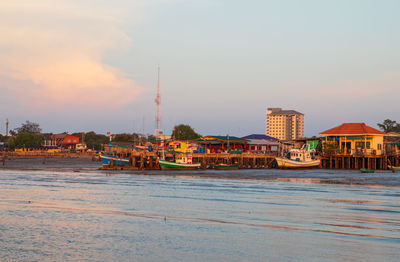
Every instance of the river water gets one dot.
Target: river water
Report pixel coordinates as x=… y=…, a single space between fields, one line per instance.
x=84 y=214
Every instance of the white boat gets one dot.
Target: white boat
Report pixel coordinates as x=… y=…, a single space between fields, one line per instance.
x=299 y=158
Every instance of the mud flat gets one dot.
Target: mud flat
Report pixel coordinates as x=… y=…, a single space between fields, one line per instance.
x=36 y=163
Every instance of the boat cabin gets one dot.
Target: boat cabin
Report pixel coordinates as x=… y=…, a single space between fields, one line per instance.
x=184 y=159
x=302 y=155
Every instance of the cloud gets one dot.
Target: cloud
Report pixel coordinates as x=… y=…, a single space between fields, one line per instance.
x=52 y=53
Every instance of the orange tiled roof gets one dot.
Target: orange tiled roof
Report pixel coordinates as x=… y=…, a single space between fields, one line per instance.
x=352 y=129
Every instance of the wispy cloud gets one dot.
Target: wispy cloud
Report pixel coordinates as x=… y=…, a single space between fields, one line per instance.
x=52 y=53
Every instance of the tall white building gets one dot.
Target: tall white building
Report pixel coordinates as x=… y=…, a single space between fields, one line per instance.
x=284 y=124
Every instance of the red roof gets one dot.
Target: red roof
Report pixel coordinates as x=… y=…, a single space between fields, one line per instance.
x=352 y=129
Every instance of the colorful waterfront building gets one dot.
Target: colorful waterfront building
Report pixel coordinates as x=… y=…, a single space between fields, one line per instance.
x=219 y=144
x=262 y=143
x=65 y=141
x=181 y=146
x=354 y=138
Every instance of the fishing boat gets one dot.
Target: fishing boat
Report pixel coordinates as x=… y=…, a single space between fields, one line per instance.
x=114 y=160
x=362 y=170
x=225 y=166
x=181 y=163
x=299 y=158
x=394 y=168
x=108 y=159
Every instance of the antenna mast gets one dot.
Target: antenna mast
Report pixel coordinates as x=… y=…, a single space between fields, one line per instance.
x=158 y=102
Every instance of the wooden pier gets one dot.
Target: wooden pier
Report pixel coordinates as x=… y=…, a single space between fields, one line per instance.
x=149 y=160
x=338 y=161
x=143 y=160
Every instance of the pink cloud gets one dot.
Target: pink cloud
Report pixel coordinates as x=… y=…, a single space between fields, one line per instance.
x=57 y=50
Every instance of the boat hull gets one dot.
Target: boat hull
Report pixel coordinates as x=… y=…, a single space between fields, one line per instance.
x=169 y=165
x=394 y=168
x=287 y=163
x=225 y=167
x=367 y=170
x=116 y=161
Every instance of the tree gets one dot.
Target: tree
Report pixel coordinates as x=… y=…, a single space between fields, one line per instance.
x=11 y=142
x=389 y=126
x=184 y=132
x=29 y=127
x=25 y=139
x=95 y=141
x=125 y=137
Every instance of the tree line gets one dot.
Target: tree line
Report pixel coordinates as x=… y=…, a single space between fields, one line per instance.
x=29 y=135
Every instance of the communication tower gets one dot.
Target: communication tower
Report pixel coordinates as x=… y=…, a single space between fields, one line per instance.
x=157 y=131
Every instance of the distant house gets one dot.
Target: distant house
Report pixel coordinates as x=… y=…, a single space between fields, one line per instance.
x=262 y=143
x=181 y=146
x=65 y=141
x=355 y=138
x=392 y=143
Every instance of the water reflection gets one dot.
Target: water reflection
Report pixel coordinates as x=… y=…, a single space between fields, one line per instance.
x=90 y=215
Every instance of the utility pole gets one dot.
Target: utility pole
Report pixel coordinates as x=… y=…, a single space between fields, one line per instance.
x=7 y=126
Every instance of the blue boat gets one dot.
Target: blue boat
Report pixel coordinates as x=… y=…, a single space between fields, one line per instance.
x=117 y=161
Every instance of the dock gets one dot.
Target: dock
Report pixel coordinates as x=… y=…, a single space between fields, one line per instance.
x=149 y=160
x=342 y=161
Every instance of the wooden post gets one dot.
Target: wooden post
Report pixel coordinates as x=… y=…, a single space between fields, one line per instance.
x=151 y=162
x=142 y=159
x=133 y=160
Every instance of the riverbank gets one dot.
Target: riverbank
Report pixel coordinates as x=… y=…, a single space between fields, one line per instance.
x=41 y=163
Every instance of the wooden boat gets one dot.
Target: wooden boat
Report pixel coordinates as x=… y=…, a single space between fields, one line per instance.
x=288 y=163
x=116 y=161
x=181 y=163
x=367 y=170
x=394 y=168
x=169 y=165
x=225 y=166
x=299 y=158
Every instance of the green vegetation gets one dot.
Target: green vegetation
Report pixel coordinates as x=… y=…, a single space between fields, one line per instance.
x=26 y=136
x=28 y=140
x=389 y=126
x=126 y=137
x=184 y=132
x=11 y=143
x=95 y=141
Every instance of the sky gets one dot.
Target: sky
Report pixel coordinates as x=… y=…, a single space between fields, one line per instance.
x=91 y=65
